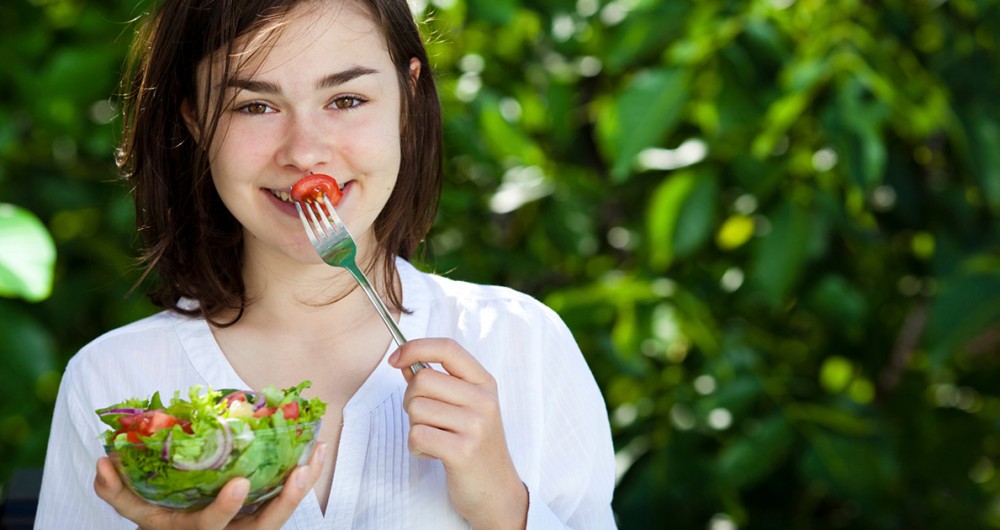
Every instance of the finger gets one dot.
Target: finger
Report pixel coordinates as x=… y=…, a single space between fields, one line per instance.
x=434 y=413
x=475 y=423
x=296 y=487
x=226 y=505
x=443 y=387
x=430 y=442
x=446 y=352
x=109 y=487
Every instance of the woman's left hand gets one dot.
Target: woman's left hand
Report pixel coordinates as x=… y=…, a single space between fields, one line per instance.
x=455 y=418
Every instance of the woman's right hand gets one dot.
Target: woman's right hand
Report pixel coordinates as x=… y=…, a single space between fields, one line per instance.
x=222 y=512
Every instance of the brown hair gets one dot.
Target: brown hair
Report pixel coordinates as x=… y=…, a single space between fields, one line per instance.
x=188 y=237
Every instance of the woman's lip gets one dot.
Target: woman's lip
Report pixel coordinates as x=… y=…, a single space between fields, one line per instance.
x=288 y=208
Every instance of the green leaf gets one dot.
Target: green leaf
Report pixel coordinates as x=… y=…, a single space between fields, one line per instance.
x=836 y=373
x=664 y=211
x=680 y=214
x=852 y=466
x=645 y=113
x=27 y=255
x=753 y=456
x=737 y=395
x=842 y=303
x=780 y=255
x=763 y=38
x=28 y=352
x=506 y=140
x=984 y=136
x=735 y=231
x=645 y=33
x=968 y=303
x=495 y=11
x=860 y=139
x=694 y=225
x=840 y=420
x=780 y=117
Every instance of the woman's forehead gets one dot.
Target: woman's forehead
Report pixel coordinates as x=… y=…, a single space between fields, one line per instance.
x=341 y=28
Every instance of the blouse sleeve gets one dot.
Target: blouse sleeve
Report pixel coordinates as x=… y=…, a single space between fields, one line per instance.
x=576 y=478
x=67 y=498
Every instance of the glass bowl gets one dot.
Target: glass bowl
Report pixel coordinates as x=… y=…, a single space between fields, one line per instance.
x=186 y=471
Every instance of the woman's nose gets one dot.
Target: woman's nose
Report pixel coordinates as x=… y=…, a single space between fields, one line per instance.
x=305 y=145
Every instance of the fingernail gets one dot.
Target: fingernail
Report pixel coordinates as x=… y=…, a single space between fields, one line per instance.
x=241 y=489
x=394 y=357
x=300 y=476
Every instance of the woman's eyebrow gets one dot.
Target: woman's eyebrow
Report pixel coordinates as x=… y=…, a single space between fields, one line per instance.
x=330 y=81
x=260 y=87
x=340 y=78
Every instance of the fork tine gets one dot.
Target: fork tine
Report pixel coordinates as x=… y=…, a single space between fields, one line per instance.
x=334 y=217
x=317 y=225
x=327 y=215
x=305 y=224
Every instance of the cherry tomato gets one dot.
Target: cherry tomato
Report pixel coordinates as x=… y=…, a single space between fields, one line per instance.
x=315 y=187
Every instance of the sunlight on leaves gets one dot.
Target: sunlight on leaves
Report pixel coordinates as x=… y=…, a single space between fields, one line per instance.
x=27 y=255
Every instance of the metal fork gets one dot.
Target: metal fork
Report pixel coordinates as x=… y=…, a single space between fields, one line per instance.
x=329 y=236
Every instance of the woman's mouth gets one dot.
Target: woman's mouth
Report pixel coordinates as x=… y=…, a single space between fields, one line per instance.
x=283 y=199
x=285 y=195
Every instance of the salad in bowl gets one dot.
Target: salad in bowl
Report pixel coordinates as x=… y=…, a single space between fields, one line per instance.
x=180 y=454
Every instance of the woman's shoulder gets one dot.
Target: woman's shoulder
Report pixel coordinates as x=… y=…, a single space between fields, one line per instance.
x=474 y=312
x=459 y=293
x=148 y=334
x=133 y=360
x=156 y=323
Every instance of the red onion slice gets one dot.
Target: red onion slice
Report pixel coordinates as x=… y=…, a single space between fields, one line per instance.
x=223 y=447
x=112 y=412
x=259 y=399
x=165 y=453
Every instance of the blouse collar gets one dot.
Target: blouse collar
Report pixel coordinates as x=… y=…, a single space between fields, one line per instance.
x=208 y=360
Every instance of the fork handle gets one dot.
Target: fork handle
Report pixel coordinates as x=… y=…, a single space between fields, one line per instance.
x=383 y=312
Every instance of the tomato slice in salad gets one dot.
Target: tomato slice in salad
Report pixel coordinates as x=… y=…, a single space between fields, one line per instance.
x=148 y=422
x=290 y=410
x=315 y=187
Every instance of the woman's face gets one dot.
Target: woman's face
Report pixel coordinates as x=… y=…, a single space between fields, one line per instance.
x=323 y=99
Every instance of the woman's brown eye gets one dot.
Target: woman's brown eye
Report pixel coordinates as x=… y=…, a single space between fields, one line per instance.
x=256 y=108
x=345 y=102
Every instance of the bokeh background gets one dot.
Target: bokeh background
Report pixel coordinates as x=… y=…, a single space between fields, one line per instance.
x=772 y=226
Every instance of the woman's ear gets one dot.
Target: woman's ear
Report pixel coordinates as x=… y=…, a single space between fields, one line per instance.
x=414 y=73
x=190 y=120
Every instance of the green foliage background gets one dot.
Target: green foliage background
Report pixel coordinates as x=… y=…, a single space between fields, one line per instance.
x=771 y=224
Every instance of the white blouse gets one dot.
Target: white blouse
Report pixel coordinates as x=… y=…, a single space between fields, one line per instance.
x=555 y=419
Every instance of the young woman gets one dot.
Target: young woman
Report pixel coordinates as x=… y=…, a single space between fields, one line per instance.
x=229 y=104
